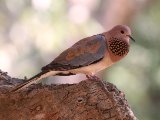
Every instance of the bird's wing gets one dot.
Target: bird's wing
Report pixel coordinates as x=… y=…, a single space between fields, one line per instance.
x=83 y=53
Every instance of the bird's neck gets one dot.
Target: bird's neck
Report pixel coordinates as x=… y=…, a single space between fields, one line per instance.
x=117 y=48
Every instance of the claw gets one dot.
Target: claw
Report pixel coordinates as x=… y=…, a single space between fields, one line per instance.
x=93 y=77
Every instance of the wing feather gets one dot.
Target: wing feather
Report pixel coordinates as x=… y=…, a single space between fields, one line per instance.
x=85 y=52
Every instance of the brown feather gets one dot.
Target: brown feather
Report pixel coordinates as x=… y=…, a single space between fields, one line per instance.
x=85 y=52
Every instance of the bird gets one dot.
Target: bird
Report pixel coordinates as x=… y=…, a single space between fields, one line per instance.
x=87 y=56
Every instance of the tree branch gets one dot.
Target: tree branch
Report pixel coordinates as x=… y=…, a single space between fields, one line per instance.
x=87 y=100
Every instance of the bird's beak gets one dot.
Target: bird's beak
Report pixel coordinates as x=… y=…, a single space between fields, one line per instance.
x=131 y=38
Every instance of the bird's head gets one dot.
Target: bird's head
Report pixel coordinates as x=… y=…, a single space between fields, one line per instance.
x=118 y=40
x=121 y=32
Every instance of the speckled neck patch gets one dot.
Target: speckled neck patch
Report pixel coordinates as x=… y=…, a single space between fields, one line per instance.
x=118 y=47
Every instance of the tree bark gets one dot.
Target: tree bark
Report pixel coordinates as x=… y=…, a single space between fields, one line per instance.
x=87 y=100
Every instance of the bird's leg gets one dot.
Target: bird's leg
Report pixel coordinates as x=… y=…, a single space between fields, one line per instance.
x=92 y=77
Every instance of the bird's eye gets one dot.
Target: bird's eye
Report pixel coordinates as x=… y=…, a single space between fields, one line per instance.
x=122 y=31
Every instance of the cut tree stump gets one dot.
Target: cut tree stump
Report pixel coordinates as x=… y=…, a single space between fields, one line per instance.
x=87 y=100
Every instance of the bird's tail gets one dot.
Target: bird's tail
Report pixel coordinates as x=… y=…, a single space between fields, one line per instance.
x=34 y=79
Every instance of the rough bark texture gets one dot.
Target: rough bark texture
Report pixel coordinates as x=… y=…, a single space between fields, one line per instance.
x=87 y=100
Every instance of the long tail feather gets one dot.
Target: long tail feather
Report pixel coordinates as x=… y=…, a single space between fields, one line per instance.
x=34 y=79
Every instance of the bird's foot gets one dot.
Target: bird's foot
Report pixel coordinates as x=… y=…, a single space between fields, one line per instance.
x=93 y=77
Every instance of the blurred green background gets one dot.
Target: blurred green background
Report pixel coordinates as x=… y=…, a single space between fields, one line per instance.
x=34 y=32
